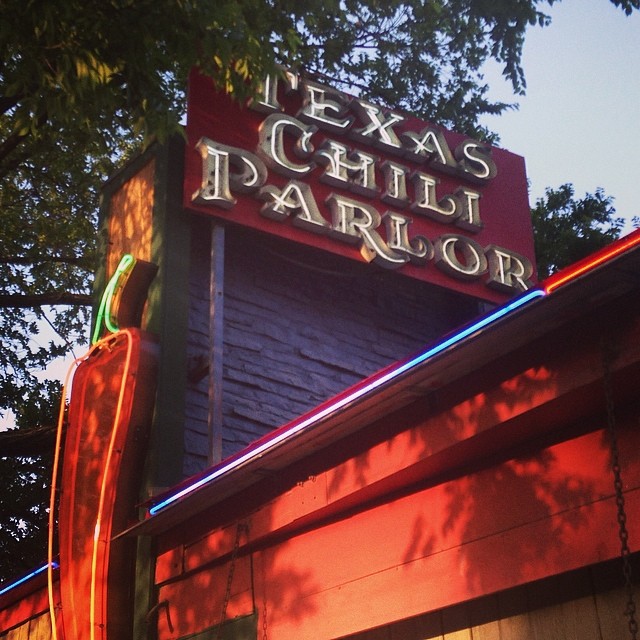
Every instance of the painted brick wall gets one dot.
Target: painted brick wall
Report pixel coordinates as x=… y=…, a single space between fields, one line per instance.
x=299 y=327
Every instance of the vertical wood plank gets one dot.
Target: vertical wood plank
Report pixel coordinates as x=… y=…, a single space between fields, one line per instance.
x=455 y=623
x=167 y=316
x=130 y=223
x=580 y=619
x=610 y=607
x=573 y=620
x=486 y=631
x=462 y=634
x=544 y=614
x=514 y=621
x=40 y=628
x=484 y=618
x=216 y=342
x=20 y=633
x=516 y=627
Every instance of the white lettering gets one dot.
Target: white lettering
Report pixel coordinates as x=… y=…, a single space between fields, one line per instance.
x=217 y=179
x=327 y=113
x=469 y=218
x=508 y=270
x=267 y=99
x=356 y=223
x=271 y=147
x=355 y=171
x=395 y=182
x=426 y=202
x=295 y=198
x=378 y=129
x=418 y=249
x=475 y=160
x=429 y=146
x=460 y=257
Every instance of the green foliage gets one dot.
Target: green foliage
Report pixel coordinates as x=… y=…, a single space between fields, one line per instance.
x=24 y=507
x=80 y=82
x=83 y=83
x=111 y=67
x=48 y=204
x=24 y=501
x=422 y=57
x=46 y=250
x=566 y=229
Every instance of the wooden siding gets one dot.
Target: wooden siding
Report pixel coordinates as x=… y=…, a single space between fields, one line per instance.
x=24 y=614
x=38 y=628
x=538 y=515
x=545 y=610
x=197 y=443
x=491 y=484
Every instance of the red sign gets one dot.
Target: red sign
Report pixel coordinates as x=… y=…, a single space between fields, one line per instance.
x=311 y=164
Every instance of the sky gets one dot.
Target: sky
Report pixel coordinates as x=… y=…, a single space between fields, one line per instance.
x=579 y=121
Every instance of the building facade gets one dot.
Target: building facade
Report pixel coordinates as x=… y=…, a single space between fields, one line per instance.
x=252 y=453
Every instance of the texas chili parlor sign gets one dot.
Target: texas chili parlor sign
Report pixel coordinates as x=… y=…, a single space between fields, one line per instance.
x=311 y=164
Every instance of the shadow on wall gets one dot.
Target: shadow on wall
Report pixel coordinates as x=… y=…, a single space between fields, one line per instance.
x=500 y=482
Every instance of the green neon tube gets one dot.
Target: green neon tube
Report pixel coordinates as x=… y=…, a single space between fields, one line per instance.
x=105 y=315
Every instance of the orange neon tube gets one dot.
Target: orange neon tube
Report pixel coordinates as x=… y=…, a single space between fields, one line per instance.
x=105 y=480
x=54 y=482
x=104 y=485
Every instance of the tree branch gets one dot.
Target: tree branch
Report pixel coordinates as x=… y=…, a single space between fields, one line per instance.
x=23 y=301
x=16 y=443
x=7 y=103
x=10 y=144
x=24 y=260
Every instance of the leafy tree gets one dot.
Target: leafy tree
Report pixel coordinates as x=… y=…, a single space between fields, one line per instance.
x=82 y=83
x=566 y=229
x=24 y=500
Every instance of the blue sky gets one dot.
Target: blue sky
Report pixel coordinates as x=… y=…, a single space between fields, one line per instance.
x=580 y=119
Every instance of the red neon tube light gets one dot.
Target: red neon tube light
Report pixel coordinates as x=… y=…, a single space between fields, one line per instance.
x=592 y=261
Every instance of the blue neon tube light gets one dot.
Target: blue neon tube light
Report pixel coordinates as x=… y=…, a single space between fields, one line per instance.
x=342 y=401
x=29 y=576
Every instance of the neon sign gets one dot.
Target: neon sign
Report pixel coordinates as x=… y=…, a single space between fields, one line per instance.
x=555 y=282
x=102 y=462
x=589 y=263
x=369 y=386
x=311 y=164
x=125 y=354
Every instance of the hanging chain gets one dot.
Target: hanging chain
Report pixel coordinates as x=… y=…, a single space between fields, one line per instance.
x=264 y=618
x=264 y=600
x=625 y=552
x=232 y=567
